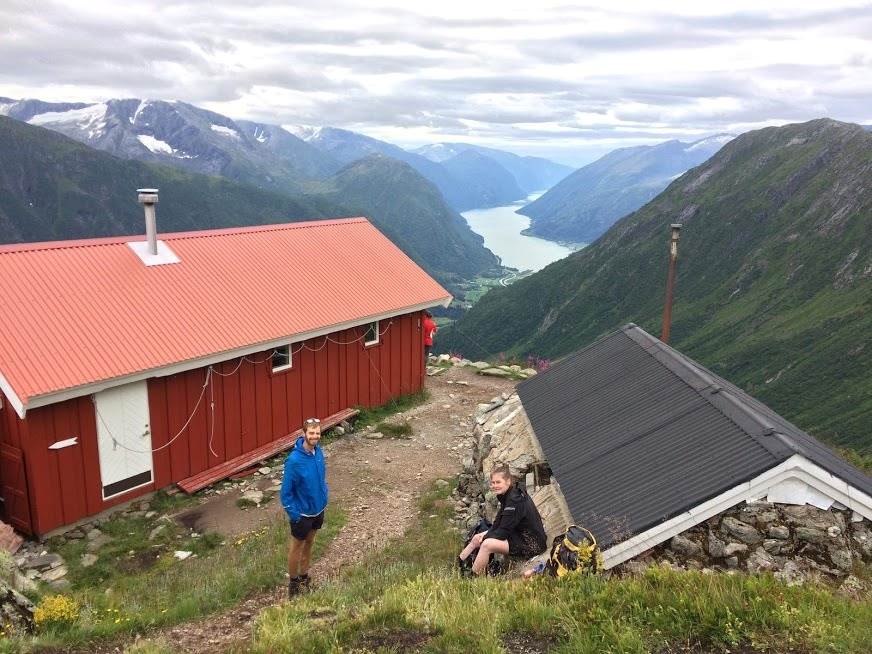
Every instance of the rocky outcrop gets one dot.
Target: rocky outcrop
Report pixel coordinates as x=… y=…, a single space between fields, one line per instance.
x=16 y=611
x=793 y=542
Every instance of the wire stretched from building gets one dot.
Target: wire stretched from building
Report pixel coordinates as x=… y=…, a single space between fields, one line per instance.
x=118 y=443
x=207 y=383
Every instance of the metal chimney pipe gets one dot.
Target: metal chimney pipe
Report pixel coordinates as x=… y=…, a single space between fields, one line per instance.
x=670 y=282
x=148 y=198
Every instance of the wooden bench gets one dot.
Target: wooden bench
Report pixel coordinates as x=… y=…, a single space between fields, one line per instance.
x=223 y=470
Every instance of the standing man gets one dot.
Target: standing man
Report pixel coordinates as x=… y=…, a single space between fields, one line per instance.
x=304 y=496
x=429 y=332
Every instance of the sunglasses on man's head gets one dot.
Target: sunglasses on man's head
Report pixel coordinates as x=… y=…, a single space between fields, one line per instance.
x=313 y=421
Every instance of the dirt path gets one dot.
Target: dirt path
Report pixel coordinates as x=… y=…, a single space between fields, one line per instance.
x=375 y=481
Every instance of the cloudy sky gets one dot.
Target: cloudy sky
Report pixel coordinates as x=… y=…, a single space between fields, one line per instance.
x=564 y=80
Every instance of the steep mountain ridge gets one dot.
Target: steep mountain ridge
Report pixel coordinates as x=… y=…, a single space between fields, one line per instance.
x=184 y=136
x=493 y=183
x=774 y=288
x=348 y=147
x=531 y=173
x=414 y=213
x=586 y=203
x=55 y=188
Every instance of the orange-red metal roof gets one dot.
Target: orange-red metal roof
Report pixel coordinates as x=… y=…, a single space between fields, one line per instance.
x=74 y=313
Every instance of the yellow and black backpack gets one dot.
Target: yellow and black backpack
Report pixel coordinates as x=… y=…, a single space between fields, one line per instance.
x=574 y=552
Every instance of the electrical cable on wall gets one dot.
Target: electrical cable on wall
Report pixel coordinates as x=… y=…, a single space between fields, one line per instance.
x=117 y=443
x=211 y=370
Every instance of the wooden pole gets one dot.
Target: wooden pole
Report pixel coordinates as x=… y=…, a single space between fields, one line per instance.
x=670 y=282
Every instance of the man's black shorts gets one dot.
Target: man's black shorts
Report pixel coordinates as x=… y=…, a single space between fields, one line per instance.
x=301 y=528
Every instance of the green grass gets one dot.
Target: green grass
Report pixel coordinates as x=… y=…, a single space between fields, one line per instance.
x=173 y=591
x=150 y=647
x=479 y=286
x=165 y=503
x=408 y=593
x=394 y=430
x=378 y=414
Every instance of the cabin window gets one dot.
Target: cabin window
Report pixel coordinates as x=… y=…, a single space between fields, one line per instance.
x=281 y=358
x=371 y=337
x=537 y=476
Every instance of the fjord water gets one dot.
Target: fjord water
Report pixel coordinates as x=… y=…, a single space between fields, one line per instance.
x=501 y=228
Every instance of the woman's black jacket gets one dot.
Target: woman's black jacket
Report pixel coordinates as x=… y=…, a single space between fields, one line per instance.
x=517 y=514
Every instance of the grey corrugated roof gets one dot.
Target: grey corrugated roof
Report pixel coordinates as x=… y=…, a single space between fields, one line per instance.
x=637 y=433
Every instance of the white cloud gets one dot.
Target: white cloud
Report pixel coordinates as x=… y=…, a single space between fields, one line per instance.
x=541 y=77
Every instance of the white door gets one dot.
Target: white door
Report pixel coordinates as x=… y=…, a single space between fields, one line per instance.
x=124 y=438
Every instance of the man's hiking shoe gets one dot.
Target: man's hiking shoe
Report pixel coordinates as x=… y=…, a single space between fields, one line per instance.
x=305 y=583
x=295 y=587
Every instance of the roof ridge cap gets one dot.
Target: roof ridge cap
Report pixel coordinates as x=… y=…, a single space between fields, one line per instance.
x=63 y=244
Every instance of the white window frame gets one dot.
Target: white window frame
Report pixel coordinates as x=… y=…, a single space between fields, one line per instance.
x=377 y=335
x=289 y=364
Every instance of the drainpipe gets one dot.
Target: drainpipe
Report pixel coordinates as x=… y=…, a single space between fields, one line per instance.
x=148 y=198
x=670 y=282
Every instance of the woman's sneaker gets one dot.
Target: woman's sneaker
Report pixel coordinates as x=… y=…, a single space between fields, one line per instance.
x=295 y=587
x=305 y=583
x=464 y=566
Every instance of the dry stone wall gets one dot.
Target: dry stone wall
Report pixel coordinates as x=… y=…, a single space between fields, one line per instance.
x=502 y=435
x=794 y=542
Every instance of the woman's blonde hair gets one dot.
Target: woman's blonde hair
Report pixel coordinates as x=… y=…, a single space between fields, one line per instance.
x=503 y=470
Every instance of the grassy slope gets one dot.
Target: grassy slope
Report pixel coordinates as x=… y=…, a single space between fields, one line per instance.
x=407 y=595
x=768 y=279
x=117 y=602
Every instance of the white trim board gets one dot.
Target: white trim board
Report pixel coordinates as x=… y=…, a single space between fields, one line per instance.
x=14 y=400
x=192 y=364
x=796 y=467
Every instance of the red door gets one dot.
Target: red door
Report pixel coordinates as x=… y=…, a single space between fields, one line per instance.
x=13 y=489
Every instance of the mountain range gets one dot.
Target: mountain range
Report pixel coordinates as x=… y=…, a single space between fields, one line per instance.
x=269 y=156
x=586 y=203
x=531 y=174
x=183 y=136
x=52 y=188
x=470 y=178
x=774 y=288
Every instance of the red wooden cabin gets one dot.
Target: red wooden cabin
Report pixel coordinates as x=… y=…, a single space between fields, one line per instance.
x=123 y=373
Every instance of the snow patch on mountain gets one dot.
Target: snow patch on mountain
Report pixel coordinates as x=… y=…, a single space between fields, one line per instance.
x=440 y=152
x=260 y=134
x=90 y=119
x=226 y=131
x=142 y=105
x=711 y=141
x=5 y=107
x=304 y=132
x=155 y=145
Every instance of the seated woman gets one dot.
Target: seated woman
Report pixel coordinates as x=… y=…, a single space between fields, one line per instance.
x=517 y=529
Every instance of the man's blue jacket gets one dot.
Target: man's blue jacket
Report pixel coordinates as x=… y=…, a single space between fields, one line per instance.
x=304 y=485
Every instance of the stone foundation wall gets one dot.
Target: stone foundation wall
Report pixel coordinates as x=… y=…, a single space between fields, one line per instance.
x=502 y=435
x=793 y=542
